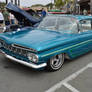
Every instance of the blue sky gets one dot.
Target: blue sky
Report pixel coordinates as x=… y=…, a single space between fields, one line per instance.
x=32 y=2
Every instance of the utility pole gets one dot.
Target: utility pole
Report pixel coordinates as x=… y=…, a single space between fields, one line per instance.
x=91 y=7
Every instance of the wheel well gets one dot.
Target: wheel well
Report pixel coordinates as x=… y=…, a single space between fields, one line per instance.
x=66 y=56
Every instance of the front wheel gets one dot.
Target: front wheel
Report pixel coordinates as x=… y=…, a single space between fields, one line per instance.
x=55 y=63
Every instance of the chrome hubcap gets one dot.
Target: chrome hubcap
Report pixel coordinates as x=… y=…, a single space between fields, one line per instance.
x=57 y=61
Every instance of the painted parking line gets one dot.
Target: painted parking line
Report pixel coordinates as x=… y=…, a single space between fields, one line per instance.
x=66 y=80
x=70 y=87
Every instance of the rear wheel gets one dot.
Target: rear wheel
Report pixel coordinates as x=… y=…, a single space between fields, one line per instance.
x=55 y=63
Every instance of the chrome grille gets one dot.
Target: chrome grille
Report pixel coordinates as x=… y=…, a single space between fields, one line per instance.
x=28 y=49
x=13 y=49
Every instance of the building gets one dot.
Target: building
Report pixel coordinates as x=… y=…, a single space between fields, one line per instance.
x=84 y=4
x=38 y=7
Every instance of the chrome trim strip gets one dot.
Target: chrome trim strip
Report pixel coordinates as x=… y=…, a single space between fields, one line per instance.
x=25 y=63
x=67 y=48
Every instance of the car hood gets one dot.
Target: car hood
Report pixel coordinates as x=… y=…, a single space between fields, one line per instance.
x=21 y=14
x=37 y=39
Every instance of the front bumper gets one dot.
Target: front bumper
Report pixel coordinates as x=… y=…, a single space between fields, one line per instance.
x=32 y=65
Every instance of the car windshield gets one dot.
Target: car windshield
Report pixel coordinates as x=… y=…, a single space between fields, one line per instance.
x=59 y=23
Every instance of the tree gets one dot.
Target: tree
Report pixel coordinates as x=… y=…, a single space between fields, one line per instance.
x=50 y=5
x=2 y=5
x=91 y=7
x=59 y=3
x=11 y=1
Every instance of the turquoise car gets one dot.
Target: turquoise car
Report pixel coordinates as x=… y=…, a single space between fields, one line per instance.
x=57 y=37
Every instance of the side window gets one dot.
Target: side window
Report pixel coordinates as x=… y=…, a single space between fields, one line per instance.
x=68 y=25
x=85 y=25
x=49 y=23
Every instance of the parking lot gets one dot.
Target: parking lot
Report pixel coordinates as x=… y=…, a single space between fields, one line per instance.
x=75 y=76
x=77 y=79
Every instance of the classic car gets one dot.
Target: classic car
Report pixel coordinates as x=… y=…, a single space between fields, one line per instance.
x=25 y=18
x=57 y=37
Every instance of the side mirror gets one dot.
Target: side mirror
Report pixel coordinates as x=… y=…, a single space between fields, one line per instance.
x=83 y=22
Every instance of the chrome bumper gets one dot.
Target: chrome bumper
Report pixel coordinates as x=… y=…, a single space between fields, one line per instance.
x=32 y=65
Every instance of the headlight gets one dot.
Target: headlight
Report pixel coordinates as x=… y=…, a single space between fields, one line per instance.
x=32 y=57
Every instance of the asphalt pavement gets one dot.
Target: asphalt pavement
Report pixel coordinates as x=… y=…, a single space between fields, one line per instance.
x=74 y=76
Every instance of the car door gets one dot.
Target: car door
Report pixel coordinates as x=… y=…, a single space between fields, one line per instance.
x=70 y=27
x=85 y=36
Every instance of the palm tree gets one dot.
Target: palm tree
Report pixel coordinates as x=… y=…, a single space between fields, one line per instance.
x=55 y=1
x=2 y=5
x=91 y=7
x=11 y=1
x=15 y=2
x=18 y=2
x=6 y=1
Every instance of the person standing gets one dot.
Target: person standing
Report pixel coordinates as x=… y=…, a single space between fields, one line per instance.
x=12 y=19
x=85 y=12
x=43 y=12
x=1 y=19
x=6 y=17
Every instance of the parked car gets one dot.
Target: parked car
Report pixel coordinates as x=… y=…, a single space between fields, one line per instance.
x=57 y=37
x=25 y=18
